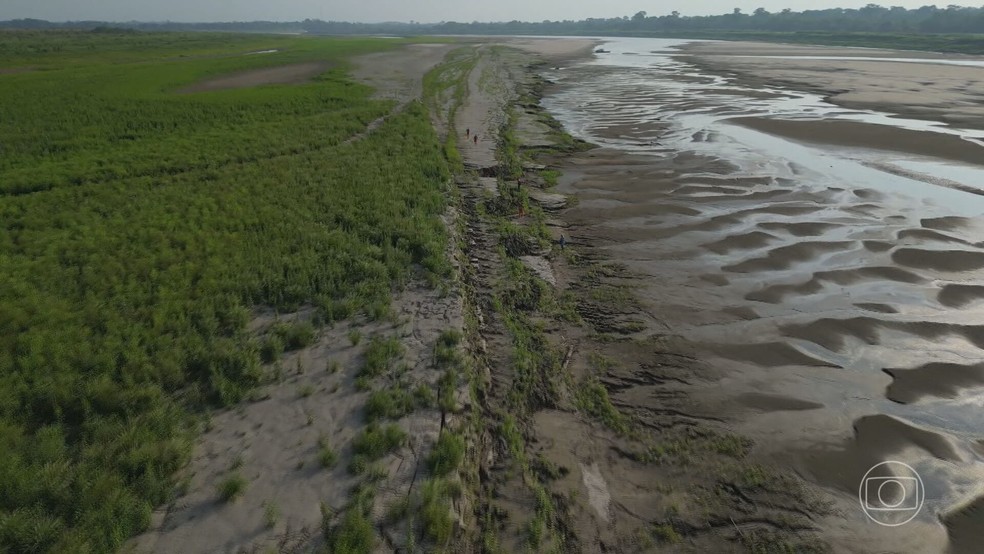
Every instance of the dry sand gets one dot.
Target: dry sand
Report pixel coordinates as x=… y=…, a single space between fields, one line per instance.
x=922 y=90
x=868 y=135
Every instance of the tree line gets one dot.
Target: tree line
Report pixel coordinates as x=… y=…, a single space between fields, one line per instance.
x=872 y=18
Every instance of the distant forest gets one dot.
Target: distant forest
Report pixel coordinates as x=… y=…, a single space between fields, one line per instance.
x=869 y=19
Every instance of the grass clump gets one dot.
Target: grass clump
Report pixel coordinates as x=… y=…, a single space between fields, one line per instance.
x=232 y=487
x=665 y=533
x=592 y=397
x=380 y=355
x=390 y=404
x=354 y=535
x=447 y=454
x=327 y=456
x=294 y=336
x=271 y=514
x=435 y=511
x=376 y=441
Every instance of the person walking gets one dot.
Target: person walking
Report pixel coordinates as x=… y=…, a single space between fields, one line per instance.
x=562 y=241
x=476 y=138
x=468 y=133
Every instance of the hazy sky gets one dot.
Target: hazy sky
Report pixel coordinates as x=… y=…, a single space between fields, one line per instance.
x=393 y=10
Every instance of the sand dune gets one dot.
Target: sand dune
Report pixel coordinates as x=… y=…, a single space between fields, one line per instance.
x=877 y=308
x=785 y=256
x=763 y=402
x=868 y=135
x=883 y=435
x=957 y=296
x=774 y=354
x=877 y=245
x=965 y=527
x=800 y=229
x=773 y=294
x=831 y=333
x=931 y=235
x=940 y=260
x=936 y=379
x=948 y=223
x=747 y=241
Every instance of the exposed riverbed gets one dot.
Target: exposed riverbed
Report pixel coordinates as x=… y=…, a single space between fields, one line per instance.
x=828 y=259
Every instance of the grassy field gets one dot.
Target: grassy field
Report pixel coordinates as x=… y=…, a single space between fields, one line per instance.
x=140 y=228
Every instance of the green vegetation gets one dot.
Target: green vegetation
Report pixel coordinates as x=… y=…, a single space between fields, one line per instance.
x=327 y=456
x=232 y=487
x=374 y=441
x=294 y=336
x=271 y=513
x=665 y=533
x=380 y=355
x=435 y=511
x=447 y=454
x=396 y=402
x=354 y=535
x=140 y=227
x=592 y=398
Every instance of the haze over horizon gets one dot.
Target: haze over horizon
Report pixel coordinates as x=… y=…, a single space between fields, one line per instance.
x=372 y=11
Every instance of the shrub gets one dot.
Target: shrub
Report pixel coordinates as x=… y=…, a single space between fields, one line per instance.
x=435 y=511
x=271 y=514
x=380 y=355
x=354 y=535
x=374 y=441
x=389 y=404
x=327 y=456
x=232 y=487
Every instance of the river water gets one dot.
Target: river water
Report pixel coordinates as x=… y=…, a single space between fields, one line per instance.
x=840 y=288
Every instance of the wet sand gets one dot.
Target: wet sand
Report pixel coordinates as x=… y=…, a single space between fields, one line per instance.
x=834 y=293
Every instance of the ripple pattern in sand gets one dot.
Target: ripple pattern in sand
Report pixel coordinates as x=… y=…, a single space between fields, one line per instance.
x=832 y=285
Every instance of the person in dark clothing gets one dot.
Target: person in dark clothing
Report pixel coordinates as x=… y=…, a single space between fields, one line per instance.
x=563 y=242
x=476 y=138
x=468 y=133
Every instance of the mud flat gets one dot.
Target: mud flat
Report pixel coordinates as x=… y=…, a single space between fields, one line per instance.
x=830 y=296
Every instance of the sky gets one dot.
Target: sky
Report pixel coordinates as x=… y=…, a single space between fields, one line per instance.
x=394 y=10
